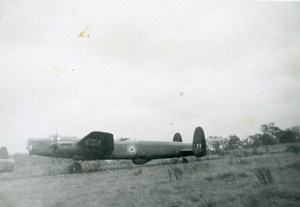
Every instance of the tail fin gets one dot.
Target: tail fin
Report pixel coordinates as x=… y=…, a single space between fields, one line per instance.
x=199 y=143
x=177 y=138
x=3 y=153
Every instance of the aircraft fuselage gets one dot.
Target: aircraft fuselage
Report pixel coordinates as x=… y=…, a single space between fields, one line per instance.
x=101 y=146
x=122 y=150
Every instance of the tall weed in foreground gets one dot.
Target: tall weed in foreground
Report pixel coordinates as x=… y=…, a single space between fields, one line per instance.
x=264 y=175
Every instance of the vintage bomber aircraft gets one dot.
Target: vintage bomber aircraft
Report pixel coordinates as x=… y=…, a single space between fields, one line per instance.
x=101 y=146
x=6 y=164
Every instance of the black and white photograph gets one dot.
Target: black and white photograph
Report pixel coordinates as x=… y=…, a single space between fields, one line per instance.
x=108 y=103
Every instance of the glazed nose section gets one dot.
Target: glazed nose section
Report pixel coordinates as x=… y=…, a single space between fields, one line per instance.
x=39 y=146
x=29 y=146
x=35 y=145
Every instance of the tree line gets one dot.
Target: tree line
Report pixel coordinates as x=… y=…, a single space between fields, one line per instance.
x=270 y=134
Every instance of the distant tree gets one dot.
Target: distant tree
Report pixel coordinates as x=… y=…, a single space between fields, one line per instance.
x=270 y=134
x=289 y=135
x=286 y=136
x=255 y=140
x=247 y=143
x=216 y=143
x=267 y=139
x=233 y=142
x=296 y=132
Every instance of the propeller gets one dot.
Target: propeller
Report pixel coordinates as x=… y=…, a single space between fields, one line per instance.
x=54 y=147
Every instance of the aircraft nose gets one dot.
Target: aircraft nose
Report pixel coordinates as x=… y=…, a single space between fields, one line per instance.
x=29 y=145
x=38 y=146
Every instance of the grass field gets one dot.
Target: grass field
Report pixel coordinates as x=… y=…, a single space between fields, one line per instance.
x=270 y=179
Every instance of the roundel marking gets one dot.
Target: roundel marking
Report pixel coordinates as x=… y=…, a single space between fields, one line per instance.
x=131 y=149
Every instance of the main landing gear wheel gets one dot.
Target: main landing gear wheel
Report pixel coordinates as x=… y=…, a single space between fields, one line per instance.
x=75 y=167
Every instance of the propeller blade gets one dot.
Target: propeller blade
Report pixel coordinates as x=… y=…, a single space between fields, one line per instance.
x=54 y=147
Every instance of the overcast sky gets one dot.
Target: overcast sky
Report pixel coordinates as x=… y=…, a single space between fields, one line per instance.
x=146 y=69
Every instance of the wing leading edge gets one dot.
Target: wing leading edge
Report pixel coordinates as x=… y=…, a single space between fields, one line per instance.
x=99 y=140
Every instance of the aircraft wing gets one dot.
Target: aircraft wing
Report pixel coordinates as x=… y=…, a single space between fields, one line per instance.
x=98 y=140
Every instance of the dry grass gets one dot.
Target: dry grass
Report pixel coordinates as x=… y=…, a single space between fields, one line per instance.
x=210 y=182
